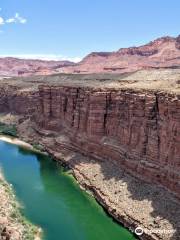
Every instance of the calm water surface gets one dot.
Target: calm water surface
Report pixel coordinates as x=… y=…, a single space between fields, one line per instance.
x=53 y=200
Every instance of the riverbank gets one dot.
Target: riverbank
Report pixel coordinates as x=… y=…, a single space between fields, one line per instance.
x=18 y=142
x=12 y=224
x=53 y=200
x=129 y=200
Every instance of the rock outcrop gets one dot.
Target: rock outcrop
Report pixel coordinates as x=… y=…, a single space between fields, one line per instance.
x=139 y=130
x=161 y=53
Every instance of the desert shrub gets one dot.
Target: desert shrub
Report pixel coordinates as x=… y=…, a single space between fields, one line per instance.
x=8 y=129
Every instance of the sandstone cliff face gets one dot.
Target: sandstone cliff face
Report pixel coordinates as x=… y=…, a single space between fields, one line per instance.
x=104 y=130
x=139 y=130
x=17 y=102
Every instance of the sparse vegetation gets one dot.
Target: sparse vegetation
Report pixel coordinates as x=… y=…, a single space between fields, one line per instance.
x=14 y=224
x=38 y=147
x=8 y=129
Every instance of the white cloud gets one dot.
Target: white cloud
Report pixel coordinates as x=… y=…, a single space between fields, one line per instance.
x=44 y=57
x=16 y=19
x=20 y=19
x=10 y=20
x=1 y=21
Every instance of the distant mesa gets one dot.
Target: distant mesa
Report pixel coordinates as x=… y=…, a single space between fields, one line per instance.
x=10 y=66
x=161 y=53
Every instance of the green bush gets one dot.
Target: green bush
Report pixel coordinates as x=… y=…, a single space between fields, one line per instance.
x=38 y=147
x=8 y=129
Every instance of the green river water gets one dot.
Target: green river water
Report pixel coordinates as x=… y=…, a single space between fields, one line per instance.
x=53 y=200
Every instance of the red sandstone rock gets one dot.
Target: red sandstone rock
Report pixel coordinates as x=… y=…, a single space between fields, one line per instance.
x=161 y=53
x=139 y=130
x=23 y=67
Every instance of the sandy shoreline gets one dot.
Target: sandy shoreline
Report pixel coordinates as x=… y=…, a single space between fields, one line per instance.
x=16 y=141
x=21 y=143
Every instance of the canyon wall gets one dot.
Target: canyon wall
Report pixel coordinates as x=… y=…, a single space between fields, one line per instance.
x=18 y=102
x=138 y=130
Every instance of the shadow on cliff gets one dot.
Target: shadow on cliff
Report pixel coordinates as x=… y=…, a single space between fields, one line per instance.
x=162 y=203
x=164 y=207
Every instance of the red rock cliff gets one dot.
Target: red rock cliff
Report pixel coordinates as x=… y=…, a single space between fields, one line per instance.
x=17 y=102
x=139 y=130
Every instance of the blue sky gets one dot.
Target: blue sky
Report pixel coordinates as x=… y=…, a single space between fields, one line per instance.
x=73 y=28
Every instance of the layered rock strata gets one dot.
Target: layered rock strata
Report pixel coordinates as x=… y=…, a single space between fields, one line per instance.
x=138 y=130
x=161 y=53
x=106 y=129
